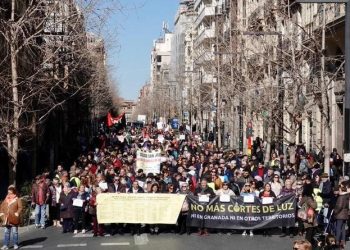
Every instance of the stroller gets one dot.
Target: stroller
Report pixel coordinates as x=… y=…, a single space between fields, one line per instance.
x=326 y=227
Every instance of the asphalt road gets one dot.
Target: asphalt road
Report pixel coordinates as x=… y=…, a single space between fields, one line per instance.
x=52 y=238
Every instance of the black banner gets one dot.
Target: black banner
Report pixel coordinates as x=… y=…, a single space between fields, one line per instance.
x=237 y=214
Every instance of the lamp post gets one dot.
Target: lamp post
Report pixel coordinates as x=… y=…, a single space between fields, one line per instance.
x=347 y=68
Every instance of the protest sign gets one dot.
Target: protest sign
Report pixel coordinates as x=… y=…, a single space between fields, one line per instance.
x=139 y=208
x=236 y=214
x=149 y=162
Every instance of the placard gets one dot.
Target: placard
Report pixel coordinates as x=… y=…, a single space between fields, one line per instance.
x=248 y=199
x=139 y=208
x=203 y=198
x=225 y=198
x=267 y=200
x=78 y=202
x=103 y=185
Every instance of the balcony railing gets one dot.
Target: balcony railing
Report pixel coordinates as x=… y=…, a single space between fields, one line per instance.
x=205 y=33
x=208 y=10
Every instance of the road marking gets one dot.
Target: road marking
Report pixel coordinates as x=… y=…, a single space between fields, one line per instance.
x=32 y=246
x=83 y=236
x=116 y=244
x=88 y=235
x=72 y=245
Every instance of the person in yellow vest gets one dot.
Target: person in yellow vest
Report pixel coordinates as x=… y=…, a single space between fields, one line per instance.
x=317 y=198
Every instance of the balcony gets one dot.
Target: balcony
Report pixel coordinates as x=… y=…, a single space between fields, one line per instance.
x=204 y=34
x=206 y=56
x=208 y=10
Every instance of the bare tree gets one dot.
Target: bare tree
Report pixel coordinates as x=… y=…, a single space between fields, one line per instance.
x=46 y=63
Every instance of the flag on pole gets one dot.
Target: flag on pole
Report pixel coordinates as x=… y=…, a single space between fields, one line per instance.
x=116 y=121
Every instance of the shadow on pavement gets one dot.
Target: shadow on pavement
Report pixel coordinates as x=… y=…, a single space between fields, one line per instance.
x=33 y=241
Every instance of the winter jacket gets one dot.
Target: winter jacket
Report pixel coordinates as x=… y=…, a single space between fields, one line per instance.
x=66 y=205
x=341 y=209
x=207 y=190
x=8 y=210
x=45 y=193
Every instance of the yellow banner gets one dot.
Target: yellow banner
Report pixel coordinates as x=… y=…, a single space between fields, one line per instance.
x=139 y=208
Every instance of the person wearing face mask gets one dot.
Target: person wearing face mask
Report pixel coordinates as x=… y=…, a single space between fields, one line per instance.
x=10 y=210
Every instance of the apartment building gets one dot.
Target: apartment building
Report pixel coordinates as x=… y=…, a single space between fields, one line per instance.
x=182 y=59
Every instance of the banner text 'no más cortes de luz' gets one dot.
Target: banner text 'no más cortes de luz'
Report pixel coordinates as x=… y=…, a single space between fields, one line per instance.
x=237 y=214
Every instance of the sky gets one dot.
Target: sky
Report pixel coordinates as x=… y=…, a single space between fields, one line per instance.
x=137 y=25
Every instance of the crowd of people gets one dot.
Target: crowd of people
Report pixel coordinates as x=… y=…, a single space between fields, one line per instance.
x=66 y=197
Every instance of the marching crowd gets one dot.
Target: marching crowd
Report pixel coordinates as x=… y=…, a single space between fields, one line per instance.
x=66 y=197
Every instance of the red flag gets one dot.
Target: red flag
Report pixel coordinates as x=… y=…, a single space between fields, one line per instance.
x=114 y=120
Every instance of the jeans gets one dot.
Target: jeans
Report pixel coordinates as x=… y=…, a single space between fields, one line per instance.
x=7 y=235
x=40 y=214
x=340 y=230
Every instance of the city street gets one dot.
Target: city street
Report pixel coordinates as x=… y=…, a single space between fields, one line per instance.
x=52 y=238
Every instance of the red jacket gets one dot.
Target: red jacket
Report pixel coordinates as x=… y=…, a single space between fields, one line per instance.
x=40 y=193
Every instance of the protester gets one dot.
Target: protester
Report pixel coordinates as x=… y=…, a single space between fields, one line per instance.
x=136 y=228
x=246 y=191
x=54 y=209
x=154 y=228
x=182 y=227
x=80 y=200
x=10 y=212
x=308 y=203
x=225 y=190
x=66 y=208
x=40 y=197
x=205 y=191
x=98 y=229
x=341 y=215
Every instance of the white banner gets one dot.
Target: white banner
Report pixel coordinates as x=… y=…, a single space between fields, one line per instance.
x=149 y=162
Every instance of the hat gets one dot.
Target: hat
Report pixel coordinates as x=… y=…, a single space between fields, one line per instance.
x=324 y=175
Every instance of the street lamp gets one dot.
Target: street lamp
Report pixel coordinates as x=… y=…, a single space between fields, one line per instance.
x=347 y=68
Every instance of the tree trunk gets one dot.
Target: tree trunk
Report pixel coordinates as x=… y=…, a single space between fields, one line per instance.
x=268 y=144
x=292 y=145
x=35 y=145
x=232 y=127
x=327 y=151
x=13 y=150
